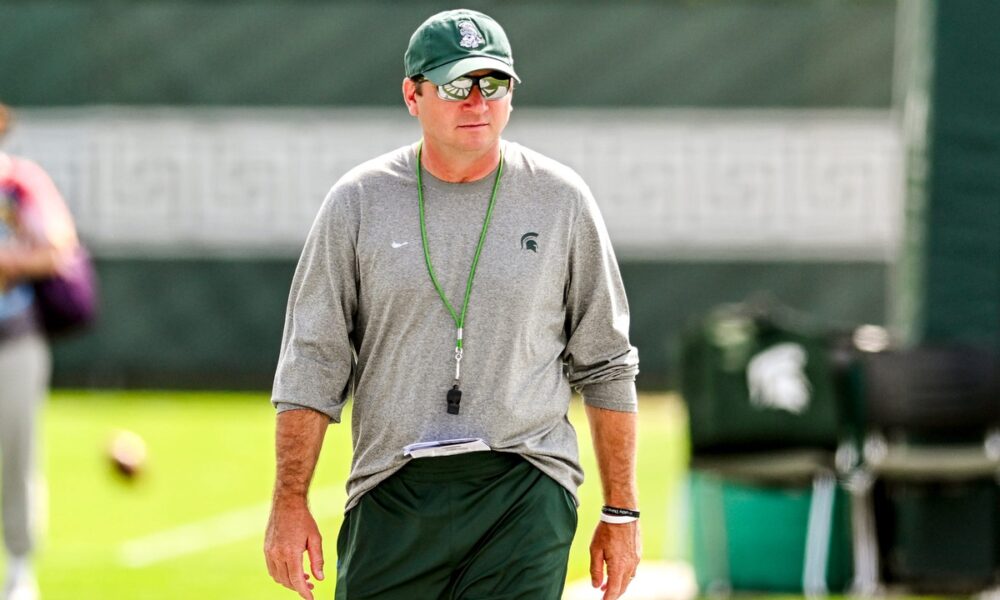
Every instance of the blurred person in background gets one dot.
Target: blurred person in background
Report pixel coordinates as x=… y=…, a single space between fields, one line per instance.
x=487 y=507
x=37 y=237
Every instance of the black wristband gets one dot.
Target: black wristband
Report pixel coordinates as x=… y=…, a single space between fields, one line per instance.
x=613 y=511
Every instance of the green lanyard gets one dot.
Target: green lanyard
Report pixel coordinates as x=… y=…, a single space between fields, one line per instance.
x=454 y=395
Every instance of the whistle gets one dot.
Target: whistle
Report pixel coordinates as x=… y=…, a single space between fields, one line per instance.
x=454 y=399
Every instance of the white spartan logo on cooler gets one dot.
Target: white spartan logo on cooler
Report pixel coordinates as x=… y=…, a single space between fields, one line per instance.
x=471 y=38
x=776 y=378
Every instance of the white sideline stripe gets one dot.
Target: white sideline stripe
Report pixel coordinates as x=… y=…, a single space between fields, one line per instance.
x=226 y=528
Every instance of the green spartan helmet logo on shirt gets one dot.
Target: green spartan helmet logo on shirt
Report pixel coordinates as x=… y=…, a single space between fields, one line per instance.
x=528 y=241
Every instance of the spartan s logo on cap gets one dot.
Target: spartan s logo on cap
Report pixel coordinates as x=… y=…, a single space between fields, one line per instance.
x=471 y=38
x=528 y=241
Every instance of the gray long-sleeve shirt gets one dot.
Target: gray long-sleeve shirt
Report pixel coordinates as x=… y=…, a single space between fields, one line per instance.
x=547 y=313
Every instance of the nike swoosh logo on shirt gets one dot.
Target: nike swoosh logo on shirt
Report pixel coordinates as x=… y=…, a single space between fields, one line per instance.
x=399 y=244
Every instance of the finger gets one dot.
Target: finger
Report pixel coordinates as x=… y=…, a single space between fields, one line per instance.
x=270 y=566
x=637 y=557
x=281 y=574
x=596 y=566
x=289 y=578
x=314 y=545
x=627 y=582
x=616 y=578
x=297 y=578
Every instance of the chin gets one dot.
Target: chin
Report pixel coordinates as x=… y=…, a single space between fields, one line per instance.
x=478 y=140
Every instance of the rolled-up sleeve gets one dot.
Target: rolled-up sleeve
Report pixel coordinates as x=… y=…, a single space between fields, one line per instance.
x=601 y=363
x=317 y=358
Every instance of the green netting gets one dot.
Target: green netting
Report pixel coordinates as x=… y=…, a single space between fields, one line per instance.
x=951 y=287
x=963 y=228
x=646 y=53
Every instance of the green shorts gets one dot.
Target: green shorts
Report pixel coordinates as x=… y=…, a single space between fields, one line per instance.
x=478 y=526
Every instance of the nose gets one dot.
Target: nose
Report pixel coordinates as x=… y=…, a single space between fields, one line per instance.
x=475 y=99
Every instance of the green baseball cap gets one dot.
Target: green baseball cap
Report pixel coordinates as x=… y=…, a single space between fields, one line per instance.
x=455 y=42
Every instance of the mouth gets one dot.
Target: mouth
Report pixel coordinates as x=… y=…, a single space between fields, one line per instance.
x=472 y=125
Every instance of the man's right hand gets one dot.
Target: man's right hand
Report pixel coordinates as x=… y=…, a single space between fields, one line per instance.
x=292 y=531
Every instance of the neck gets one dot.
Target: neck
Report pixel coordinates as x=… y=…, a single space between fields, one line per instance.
x=459 y=168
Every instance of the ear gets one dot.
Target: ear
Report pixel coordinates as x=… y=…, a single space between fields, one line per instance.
x=410 y=96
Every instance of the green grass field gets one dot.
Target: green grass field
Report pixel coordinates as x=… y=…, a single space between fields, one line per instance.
x=192 y=525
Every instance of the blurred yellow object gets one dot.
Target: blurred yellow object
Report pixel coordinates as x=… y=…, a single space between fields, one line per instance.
x=127 y=452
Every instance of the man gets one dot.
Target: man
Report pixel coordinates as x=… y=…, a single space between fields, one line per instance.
x=37 y=236
x=460 y=287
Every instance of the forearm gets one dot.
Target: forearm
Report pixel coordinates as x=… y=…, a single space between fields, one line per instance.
x=614 y=437
x=299 y=437
x=24 y=262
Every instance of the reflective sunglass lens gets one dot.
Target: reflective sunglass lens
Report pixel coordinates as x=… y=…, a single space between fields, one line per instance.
x=492 y=88
x=459 y=89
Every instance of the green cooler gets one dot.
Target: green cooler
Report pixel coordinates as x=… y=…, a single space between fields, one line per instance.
x=780 y=537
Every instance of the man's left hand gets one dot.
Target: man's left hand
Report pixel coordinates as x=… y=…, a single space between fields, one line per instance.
x=619 y=546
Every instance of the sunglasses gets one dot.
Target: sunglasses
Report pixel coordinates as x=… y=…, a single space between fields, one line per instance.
x=492 y=86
